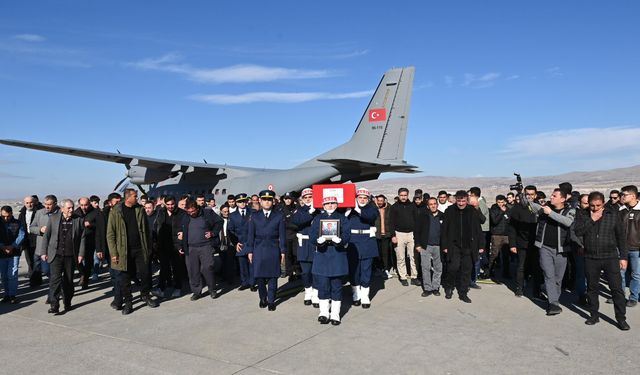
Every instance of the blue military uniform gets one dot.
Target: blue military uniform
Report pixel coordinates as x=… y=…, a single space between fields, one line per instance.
x=266 y=242
x=238 y=227
x=363 y=248
x=303 y=218
x=330 y=264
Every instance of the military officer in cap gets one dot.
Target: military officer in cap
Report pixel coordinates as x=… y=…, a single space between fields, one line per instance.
x=302 y=218
x=330 y=262
x=237 y=228
x=266 y=246
x=363 y=247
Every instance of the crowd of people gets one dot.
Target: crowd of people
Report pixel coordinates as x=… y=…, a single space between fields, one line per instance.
x=456 y=242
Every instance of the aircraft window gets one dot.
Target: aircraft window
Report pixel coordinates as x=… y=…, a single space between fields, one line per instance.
x=217 y=192
x=224 y=191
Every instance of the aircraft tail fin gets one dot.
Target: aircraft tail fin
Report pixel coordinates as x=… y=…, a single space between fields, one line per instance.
x=381 y=133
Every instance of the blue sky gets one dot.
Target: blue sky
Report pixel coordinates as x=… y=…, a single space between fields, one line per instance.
x=539 y=87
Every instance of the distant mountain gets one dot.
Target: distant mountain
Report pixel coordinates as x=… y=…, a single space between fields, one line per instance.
x=584 y=182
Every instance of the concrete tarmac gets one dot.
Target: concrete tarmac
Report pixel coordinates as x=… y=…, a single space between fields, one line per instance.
x=402 y=333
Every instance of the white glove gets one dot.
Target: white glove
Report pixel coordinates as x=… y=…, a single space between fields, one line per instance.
x=321 y=240
x=357 y=209
x=311 y=209
x=336 y=240
x=347 y=212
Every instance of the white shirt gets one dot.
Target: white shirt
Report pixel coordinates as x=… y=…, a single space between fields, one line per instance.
x=443 y=207
x=266 y=213
x=28 y=216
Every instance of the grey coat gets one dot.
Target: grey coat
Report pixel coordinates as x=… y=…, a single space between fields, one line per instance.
x=40 y=220
x=50 y=237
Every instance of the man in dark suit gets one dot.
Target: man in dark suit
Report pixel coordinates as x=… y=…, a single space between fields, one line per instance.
x=26 y=218
x=63 y=248
x=266 y=247
x=463 y=241
x=237 y=227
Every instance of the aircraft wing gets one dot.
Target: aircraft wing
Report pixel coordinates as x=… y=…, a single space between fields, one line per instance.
x=107 y=156
x=361 y=164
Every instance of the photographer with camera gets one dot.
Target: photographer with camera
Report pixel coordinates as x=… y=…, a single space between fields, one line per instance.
x=554 y=242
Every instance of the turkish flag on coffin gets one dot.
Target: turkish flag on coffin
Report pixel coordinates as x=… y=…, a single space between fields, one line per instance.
x=346 y=194
x=377 y=114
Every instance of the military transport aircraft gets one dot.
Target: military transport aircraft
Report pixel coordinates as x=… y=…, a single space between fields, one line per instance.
x=377 y=146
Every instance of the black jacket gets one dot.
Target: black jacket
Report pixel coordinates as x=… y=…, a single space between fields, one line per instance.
x=167 y=228
x=423 y=225
x=522 y=227
x=602 y=239
x=499 y=221
x=461 y=228
x=402 y=217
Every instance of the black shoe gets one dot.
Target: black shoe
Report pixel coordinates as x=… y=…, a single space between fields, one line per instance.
x=623 y=325
x=554 y=310
x=128 y=308
x=149 y=301
x=263 y=304
x=214 y=294
x=404 y=282
x=518 y=293
x=5 y=299
x=316 y=305
x=356 y=303
x=254 y=288
x=68 y=307
x=13 y=300
x=448 y=294
x=474 y=286
x=244 y=287
x=307 y=302
x=272 y=307
x=464 y=298
x=436 y=292
x=335 y=322
x=592 y=320
x=323 y=320
x=416 y=282
x=366 y=305
x=631 y=303
x=116 y=306
x=195 y=296
x=54 y=309
x=426 y=293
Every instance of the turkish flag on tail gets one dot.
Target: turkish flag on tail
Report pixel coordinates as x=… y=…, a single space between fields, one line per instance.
x=377 y=114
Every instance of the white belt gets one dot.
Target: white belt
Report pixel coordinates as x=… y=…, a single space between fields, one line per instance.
x=371 y=231
x=301 y=237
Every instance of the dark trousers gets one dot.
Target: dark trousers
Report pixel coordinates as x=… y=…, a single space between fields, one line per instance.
x=290 y=259
x=329 y=287
x=384 y=250
x=62 y=268
x=135 y=263
x=246 y=271
x=172 y=269
x=267 y=288
x=529 y=265
x=227 y=264
x=200 y=265
x=360 y=271
x=459 y=267
x=307 y=277
x=33 y=263
x=499 y=246
x=611 y=268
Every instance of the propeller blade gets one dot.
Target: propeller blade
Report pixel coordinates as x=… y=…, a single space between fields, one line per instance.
x=120 y=183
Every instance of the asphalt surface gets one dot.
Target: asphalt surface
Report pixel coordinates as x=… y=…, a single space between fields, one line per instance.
x=402 y=333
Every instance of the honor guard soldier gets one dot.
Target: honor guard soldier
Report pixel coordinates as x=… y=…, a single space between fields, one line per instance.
x=363 y=247
x=237 y=228
x=306 y=249
x=330 y=262
x=266 y=246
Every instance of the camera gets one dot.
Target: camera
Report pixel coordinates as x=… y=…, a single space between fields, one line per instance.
x=518 y=185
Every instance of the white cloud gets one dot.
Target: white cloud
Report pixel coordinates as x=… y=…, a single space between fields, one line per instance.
x=582 y=142
x=277 y=97
x=232 y=74
x=29 y=37
x=480 y=81
x=554 y=71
